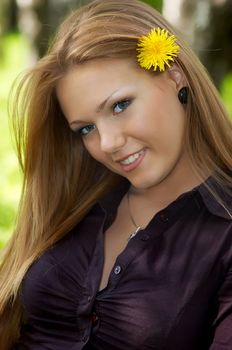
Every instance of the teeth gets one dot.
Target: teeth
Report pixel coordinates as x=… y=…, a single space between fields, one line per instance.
x=132 y=158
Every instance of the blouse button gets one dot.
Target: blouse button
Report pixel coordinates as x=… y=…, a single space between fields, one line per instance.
x=94 y=317
x=117 y=270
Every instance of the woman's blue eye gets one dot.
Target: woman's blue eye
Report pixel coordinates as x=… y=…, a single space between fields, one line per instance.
x=86 y=129
x=120 y=106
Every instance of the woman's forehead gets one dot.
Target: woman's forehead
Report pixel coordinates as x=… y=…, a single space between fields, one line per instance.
x=104 y=73
x=95 y=76
x=104 y=67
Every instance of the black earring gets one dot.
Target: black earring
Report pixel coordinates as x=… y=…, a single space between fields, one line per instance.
x=183 y=95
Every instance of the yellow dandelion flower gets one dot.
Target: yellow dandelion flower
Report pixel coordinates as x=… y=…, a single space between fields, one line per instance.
x=157 y=49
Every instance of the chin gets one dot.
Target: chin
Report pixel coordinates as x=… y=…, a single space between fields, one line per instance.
x=146 y=183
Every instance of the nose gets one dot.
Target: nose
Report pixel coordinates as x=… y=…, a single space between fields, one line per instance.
x=112 y=138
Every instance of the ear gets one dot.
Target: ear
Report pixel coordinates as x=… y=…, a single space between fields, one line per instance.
x=176 y=74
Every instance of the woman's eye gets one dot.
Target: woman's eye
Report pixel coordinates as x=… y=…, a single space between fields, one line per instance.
x=86 y=130
x=120 y=106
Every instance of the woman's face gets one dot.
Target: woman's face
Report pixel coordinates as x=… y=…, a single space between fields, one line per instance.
x=129 y=119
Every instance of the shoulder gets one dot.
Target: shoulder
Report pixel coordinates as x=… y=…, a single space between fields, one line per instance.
x=210 y=225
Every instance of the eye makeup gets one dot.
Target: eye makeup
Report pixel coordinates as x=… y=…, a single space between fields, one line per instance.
x=117 y=108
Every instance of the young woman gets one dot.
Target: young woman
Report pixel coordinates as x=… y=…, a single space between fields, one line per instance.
x=124 y=233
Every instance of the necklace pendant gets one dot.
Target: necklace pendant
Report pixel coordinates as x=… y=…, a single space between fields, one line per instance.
x=134 y=233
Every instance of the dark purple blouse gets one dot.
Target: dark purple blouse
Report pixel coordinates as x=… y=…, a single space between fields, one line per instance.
x=170 y=289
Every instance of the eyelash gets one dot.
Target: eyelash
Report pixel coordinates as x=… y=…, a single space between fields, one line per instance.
x=125 y=103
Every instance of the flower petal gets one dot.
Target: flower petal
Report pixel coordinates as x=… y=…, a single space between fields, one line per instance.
x=156 y=49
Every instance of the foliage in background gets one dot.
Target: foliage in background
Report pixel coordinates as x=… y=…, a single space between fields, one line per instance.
x=226 y=92
x=157 y=4
x=13 y=59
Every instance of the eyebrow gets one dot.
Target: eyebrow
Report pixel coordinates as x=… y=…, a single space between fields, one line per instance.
x=102 y=105
x=99 y=108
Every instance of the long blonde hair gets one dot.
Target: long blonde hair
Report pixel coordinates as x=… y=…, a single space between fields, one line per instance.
x=61 y=181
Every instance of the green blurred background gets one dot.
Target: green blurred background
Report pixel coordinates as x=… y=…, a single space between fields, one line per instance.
x=27 y=26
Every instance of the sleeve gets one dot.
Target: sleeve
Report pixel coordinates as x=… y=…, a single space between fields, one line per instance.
x=222 y=339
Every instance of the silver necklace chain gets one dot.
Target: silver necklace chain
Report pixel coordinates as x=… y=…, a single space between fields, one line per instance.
x=138 y=228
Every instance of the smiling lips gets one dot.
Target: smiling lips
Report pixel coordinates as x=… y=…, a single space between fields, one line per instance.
x=132 y=158
x=132 y=161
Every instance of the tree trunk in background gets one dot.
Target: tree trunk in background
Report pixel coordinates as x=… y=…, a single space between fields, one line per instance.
x=39 y=20
x=218 y=58
x=207 y=26
x=8 y=16
x=8 y=20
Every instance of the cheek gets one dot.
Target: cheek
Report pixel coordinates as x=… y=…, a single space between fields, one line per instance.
x=93 y=148
x=166 y=126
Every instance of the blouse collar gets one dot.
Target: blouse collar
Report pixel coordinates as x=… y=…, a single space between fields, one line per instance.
x=201 y=194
